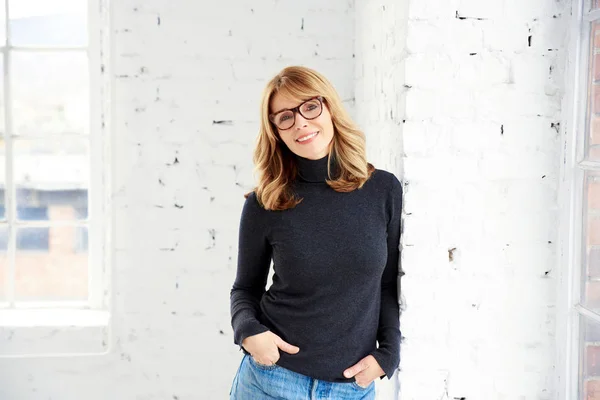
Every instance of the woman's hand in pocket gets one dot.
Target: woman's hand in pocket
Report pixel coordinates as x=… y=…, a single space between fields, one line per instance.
x=264 y=347
x=365 y=371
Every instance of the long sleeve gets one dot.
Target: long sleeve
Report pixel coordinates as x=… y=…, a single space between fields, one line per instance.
x=388 y=332
x=254 y=260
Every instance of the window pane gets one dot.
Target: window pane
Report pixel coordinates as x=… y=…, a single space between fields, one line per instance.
x=50 y=93
x=52 y=175
x=590 y=292
x=80 y=244
x=2 y=127
x=33 y=238
x=3 y=262
x=81 y=233
x=51 y=267
x=2 y=25
x=58 y=204
x=594 y=93
x=48 y=22
x=589 y=366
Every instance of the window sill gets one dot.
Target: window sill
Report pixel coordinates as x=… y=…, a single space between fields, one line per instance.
x=55 y=318
x=54 y=333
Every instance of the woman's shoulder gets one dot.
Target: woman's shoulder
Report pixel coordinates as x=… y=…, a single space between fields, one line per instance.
x=386 y=179
x=252 y=203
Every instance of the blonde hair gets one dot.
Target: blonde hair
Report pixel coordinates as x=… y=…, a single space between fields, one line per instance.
x=274 y=162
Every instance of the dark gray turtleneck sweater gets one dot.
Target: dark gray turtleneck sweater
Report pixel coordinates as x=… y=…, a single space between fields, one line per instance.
x=336 y=274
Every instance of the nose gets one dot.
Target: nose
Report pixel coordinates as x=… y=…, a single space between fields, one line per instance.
x=299 y=121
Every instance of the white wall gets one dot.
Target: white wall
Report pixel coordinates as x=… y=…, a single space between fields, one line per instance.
x=381 y=29
x=461 y=108
x=481 y=164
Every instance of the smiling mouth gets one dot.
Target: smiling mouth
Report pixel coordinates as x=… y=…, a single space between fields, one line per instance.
x=307 y=137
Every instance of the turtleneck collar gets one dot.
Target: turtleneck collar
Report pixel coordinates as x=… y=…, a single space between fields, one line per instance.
x=314 y=170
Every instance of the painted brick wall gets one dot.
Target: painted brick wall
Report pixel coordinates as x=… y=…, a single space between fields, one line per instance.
x=484 y=84
x=380 y=90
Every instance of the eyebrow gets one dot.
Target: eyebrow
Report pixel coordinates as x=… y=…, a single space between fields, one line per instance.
x=283 y=109
x=287 y=109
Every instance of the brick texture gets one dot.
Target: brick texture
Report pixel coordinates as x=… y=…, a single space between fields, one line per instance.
x=483 y=89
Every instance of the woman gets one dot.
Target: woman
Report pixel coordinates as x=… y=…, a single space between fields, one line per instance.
x=330 y=222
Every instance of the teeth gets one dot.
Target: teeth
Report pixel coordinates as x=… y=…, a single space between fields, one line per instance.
x=308 y=137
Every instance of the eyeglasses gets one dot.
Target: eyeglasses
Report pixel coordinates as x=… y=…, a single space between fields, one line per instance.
x=310 y=109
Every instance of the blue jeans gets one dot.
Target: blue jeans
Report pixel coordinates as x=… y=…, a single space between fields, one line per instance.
x=254 y=381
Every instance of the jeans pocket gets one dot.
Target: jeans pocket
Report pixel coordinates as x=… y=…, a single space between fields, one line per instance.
x=261 y=366
x=357 y=386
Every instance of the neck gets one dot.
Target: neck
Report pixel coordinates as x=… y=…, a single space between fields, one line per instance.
x=314 y=170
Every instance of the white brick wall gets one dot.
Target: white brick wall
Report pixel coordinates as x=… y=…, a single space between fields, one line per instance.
x=453 y=99
x=481 y=167
x=380 y=92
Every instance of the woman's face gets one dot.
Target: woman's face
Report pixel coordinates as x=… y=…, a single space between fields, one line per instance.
x=314 y=148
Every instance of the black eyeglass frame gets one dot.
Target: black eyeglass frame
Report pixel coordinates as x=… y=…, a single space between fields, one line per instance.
x=297 y=110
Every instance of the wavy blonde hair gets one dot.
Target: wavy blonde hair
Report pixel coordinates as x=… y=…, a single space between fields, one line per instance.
x=274 y=162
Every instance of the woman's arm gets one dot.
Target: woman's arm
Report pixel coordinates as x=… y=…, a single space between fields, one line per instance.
x=254 y=260
x=388 y=332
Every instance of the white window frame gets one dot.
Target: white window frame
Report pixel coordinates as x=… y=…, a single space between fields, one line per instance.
x=571 y=203
x=76 y=328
